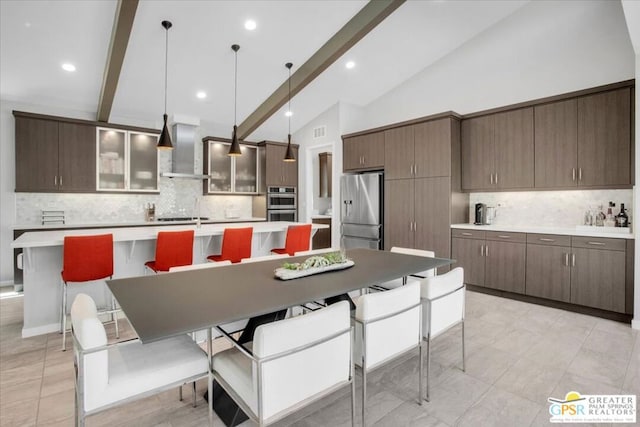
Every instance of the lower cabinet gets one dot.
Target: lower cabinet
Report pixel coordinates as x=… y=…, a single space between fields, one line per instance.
x=587 y=271
x=322 y=238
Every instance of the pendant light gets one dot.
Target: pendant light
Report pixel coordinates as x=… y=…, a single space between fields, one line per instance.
x=288 y=156
x=234 y=149
x=165 y=138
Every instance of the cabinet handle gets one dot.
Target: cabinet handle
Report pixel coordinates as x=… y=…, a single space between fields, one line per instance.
x=496 y=178
x=467 y=234
x=486 y=250
x=573 y=174
x=415 y=170
x=415 y=226
x=481 y=250
x=491 y=178
x=542 y=239
x=55 y=180
x=566 y=259
x=573 y=260
x=60 y=181
x=503 y=236
x=596 y=243
x=579 y=174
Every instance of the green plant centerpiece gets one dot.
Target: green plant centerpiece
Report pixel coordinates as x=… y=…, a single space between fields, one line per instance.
x=313 y=265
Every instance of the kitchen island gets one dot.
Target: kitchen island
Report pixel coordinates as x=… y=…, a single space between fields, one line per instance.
x=133 y=246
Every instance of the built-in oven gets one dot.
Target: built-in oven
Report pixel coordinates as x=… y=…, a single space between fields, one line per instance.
x=290 y=215
x=281 y=198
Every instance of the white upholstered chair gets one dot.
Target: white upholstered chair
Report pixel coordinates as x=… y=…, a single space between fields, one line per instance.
x=107 y=375
x=414 y=277
x=443 y=300
x=289 y=364
x=263 y=258
x=388 y=324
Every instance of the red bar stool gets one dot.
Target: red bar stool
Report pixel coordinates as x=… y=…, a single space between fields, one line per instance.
x=173 y=249
x=236 y=244
x=84 y=259
x=297 y=240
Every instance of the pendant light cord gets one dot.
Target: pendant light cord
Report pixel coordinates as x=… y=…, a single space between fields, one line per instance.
x=235 y=91
x=166 y=65
x=290 y=100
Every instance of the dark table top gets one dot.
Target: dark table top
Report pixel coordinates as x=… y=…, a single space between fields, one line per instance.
x=164 y=305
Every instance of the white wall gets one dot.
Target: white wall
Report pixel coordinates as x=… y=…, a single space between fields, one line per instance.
x=545 y=48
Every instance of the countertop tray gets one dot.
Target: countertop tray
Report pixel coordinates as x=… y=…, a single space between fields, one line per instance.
x=286 y=274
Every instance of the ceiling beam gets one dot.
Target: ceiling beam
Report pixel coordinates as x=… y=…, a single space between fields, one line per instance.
x=122 y=25
x=359 y=26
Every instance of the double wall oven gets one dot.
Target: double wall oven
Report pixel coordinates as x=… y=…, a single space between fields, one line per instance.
x=282 y=204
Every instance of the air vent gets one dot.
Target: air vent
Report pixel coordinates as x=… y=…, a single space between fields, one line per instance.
x=319 y=132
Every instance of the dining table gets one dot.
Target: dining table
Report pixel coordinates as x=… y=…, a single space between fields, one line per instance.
x=166 y=305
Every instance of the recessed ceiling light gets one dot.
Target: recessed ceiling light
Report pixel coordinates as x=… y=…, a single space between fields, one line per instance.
x=250 y=24
x=201 y=95
x=289 y=113
x=27 y=24
x=68 y=67
x=350 y=65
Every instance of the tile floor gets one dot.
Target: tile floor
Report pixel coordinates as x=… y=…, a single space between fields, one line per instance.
x=518 y=355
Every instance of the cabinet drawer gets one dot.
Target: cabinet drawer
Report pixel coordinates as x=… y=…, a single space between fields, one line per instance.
x=504 y=236
x=549 y=239
x=469 y=234
x=598 y=243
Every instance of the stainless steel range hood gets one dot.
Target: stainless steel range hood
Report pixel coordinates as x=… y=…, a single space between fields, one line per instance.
x=183 y=161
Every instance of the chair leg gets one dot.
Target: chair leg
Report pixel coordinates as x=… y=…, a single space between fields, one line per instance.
x=353 y=400
x=194 y=393
x=463 y=352
x=364 y=392
x=64 y=317
x=428 y=368
x=180 y=393
x=421 y=372
x=114 y=316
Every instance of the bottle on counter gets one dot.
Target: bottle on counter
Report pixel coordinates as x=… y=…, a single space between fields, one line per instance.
x=600 y=217
x=622 y=219
x=610 y=220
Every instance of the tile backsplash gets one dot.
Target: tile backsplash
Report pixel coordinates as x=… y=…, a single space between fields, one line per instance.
x=550 y=208
x=177 y=198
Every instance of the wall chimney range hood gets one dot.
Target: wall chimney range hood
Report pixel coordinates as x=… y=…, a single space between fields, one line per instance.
x=183 y=161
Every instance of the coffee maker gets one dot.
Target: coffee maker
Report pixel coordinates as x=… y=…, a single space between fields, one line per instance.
x=480 y=214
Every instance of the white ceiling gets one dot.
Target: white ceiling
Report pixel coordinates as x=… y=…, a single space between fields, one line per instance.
x=36 y=37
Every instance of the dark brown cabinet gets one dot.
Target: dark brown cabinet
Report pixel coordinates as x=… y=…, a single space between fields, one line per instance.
x=556 y=151
x=548 y=267
x=363 y=152
x=584 y=142
x=497 y=151
x=604 y=138
x=54 y=156
x=322 y=237
x=279 y=173
x=399 y=213
x=598 y=279
x=496 y=261
x=419 y=151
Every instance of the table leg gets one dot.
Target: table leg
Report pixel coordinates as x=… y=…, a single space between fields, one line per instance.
x=210 y=378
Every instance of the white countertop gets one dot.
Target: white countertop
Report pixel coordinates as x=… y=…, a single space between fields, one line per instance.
x=570 y=231
x=319 y=216
x=127 y=234
x=134 y=224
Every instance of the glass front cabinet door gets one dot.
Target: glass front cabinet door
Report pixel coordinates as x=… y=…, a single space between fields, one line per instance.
x=229 y=174
x=126 y=161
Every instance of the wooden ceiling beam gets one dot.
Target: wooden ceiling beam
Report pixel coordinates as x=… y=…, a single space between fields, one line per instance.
x=359 y=26
x=122 y=26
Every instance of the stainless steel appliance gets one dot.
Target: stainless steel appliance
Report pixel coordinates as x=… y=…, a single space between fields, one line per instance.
x=362 y=210
x=282 y=204
x=480 y=214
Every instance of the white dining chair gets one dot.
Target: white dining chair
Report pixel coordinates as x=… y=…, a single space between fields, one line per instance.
x=290 y=364
x=108 y=375
x=388 y=325
x=443 y=303
x=414 y=277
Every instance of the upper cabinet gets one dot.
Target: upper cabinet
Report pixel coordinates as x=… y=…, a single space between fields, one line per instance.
x=604 y=138
x=363 y=152
x=279 y=173
x=585 y=141
x=229 y=174
x=53 y=156
x=126 y=161
x=497 y=151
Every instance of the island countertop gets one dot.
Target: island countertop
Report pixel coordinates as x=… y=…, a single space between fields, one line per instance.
x=126 y=234
x=156 y=223
x=608 y=232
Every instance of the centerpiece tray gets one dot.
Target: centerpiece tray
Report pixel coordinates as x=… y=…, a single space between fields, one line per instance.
x=313 y=265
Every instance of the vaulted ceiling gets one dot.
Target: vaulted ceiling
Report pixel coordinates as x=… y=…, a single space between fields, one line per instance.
x=36 y=37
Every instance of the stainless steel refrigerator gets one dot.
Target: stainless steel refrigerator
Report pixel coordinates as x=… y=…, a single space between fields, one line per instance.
x=361 y=210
